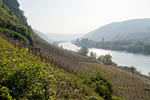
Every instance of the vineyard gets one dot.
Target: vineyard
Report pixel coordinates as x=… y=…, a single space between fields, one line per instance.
x=32 y=69
x=125 y=84
x=27 y=77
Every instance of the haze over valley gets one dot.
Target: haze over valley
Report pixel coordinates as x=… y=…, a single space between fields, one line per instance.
x=74 y=50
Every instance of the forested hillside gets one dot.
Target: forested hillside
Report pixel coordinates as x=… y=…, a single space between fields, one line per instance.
x=12 y=26
x=131 y=36
x=128 y=31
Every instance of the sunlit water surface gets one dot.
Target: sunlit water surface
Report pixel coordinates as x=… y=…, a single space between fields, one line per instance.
x=141 y=62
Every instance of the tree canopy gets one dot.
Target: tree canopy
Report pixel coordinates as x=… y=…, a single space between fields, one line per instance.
x=83 y=51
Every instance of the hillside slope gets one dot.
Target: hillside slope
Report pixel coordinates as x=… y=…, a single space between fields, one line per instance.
x=38 y=70
x=126 y=84
x=131 y=31
x=24 y=73
x=26 y=77
x=11 y=26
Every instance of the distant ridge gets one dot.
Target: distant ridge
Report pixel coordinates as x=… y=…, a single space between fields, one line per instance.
x=63 y=37
x=43 y=36
x=130 y=30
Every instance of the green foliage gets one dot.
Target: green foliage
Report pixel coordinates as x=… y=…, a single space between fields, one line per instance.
x=92 y=55
x=9 y=21
x=147 y=89
x=0 y=2
x=102 y=86
x=147 y=48
x=131 y=69
x=99 y=83
x=95 y=98
x=5 y=93
x=149 y=74
x=14 y=35
x=133 y=47
x=24 y=75
x=13 y=5
x=107 y=60
x=83 y=51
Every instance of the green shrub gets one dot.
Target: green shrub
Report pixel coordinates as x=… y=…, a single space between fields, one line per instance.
x=24 y=76
x=107 y=60
x=102 y=86
x=14 y=35
x=83 y=51
x=0 y=2
x=93 y=98
x=9 y=21
x=5 y=93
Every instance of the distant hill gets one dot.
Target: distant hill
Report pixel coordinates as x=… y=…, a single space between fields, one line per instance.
x=33 y=69
x=43 y=36
x=130 y=30
x=63 y=37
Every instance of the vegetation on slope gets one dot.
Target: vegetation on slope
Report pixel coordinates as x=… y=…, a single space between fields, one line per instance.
x=11 y=26
x=26 y=77
x=125 y=84
x=71 y=61
x=13 y=5
x=23 y=76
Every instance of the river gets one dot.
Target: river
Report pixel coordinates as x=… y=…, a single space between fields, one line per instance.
x=141 y=62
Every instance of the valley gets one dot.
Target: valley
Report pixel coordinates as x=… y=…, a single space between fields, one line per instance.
x=33 y=68
x=141 y=62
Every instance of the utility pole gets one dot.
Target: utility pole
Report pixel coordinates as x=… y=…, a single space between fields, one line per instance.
x=103 y=41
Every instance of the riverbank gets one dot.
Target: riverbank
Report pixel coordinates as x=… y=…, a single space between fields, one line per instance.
x=141 y=62
x=131 y=47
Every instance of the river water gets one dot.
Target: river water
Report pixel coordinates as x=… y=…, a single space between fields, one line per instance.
x=141 y=62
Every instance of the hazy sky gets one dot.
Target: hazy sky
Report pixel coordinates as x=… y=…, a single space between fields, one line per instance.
x=81 y=16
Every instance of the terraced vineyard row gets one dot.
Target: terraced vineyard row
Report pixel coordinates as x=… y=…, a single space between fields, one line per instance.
x=125 y=84
x=24 y=77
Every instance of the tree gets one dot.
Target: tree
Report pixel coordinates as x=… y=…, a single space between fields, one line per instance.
x=106 y=59
x=0 y=2
x=147 y=48
x=133 y=69
x=92 y=55
x=83 y=51
x=149 y=74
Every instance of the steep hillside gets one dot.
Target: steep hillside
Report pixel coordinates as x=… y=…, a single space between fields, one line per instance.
x=125 y=84
x=131 y=30
x=33 y=69
x=12 y=27
x=24 y=73
x=14 y=6
x=24 y=77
